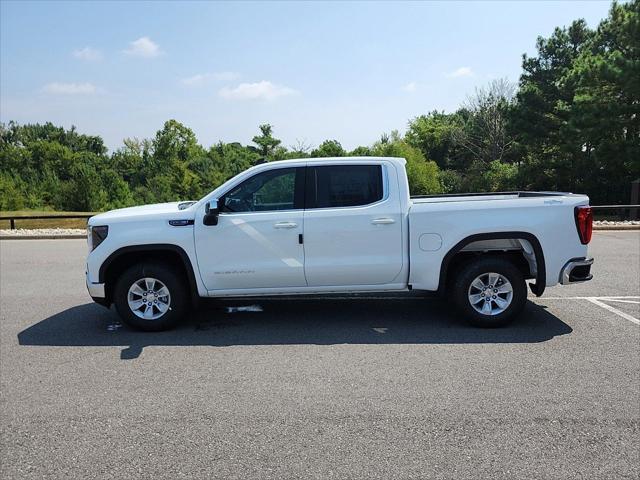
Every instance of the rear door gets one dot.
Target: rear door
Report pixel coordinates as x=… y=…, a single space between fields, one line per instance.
x=352 y=225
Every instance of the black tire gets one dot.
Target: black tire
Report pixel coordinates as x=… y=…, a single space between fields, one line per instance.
x=483 y=265
x=173 y=281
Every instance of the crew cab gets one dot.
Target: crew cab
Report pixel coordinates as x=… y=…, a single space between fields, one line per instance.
x=314 y=226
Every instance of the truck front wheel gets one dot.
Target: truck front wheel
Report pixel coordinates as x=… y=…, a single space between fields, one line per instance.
x=150 y=297
x=490 y=292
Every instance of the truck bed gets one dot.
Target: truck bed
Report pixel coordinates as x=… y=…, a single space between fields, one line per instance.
x=460 y=197
x=438 y=222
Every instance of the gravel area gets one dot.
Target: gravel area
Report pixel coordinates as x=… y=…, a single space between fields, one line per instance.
x=37 y=232
x=617 y=222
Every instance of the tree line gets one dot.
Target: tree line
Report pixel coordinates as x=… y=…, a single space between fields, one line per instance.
x=572 y=123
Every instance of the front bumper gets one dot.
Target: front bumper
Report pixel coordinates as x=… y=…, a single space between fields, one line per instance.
x=96 y=290
x=576 y=270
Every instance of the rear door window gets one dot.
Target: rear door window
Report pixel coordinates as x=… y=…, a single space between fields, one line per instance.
x=343 y=185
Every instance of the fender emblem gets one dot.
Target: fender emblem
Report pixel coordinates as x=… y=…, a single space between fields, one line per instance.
x=234 y=272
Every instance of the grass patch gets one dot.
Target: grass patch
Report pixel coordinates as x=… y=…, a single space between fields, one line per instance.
x=44 y=223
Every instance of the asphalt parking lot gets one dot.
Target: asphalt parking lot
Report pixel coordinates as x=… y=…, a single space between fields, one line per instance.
x=377 y=387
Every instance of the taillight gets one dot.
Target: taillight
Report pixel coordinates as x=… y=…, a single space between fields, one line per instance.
x=584 y=223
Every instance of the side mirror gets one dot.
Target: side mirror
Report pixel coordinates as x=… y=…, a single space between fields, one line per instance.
x=211 y=212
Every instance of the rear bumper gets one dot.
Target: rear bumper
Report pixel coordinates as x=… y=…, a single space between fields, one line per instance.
x=576 y=270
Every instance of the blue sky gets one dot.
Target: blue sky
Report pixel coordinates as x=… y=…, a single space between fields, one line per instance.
x=348 y=71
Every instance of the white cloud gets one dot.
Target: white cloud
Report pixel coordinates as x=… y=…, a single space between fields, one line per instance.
x=203 y=78
x=143 y=47
x=461 y=72
x=263 y=90
x=410 y=87
x=56 y=88
x=88 y=53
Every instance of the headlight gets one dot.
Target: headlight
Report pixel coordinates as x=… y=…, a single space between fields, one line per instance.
x=96 y=235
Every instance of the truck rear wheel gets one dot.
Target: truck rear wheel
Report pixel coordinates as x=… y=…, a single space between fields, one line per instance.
x=490 y=292
x=150 y=297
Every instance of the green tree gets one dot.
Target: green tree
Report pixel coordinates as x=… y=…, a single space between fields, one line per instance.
x=83 y=191
x=496 y=176
x=175 y=148
x=11 y=195
x=133 y=161
x=451 y=181
x=542 y=116
x=606 y=105
x=329 y=148
x=300 y=150
x=484 y=133
x=360 y=151
x=434 y=134
x=422 y=173
x=577 y=116
x=266 y=142
x=574 y=125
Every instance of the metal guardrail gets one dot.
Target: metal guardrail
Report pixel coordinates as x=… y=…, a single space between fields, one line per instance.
x=12 y=218
x=615 y=206
x=627 y=212
x=634 y=210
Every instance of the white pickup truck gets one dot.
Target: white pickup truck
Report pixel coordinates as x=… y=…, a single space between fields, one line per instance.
x=314 y=226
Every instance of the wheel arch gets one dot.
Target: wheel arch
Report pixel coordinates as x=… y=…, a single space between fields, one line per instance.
x=537 y=288
x=122 y=258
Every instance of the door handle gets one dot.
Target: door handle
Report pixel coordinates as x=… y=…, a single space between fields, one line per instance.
x=285 y=225
x=383 y=221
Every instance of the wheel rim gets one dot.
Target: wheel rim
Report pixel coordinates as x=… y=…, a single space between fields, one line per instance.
x=149 y=298
x=490 y=293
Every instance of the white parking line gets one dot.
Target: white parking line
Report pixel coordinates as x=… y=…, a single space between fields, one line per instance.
x=622 y=301
x=586 y=298
x=599 y=302
x=622 y=314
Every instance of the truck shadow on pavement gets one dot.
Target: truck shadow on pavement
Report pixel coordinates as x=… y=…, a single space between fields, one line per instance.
x=292 y=322
x=341 y=320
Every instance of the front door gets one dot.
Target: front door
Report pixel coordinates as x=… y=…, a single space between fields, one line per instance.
x=256 y=243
